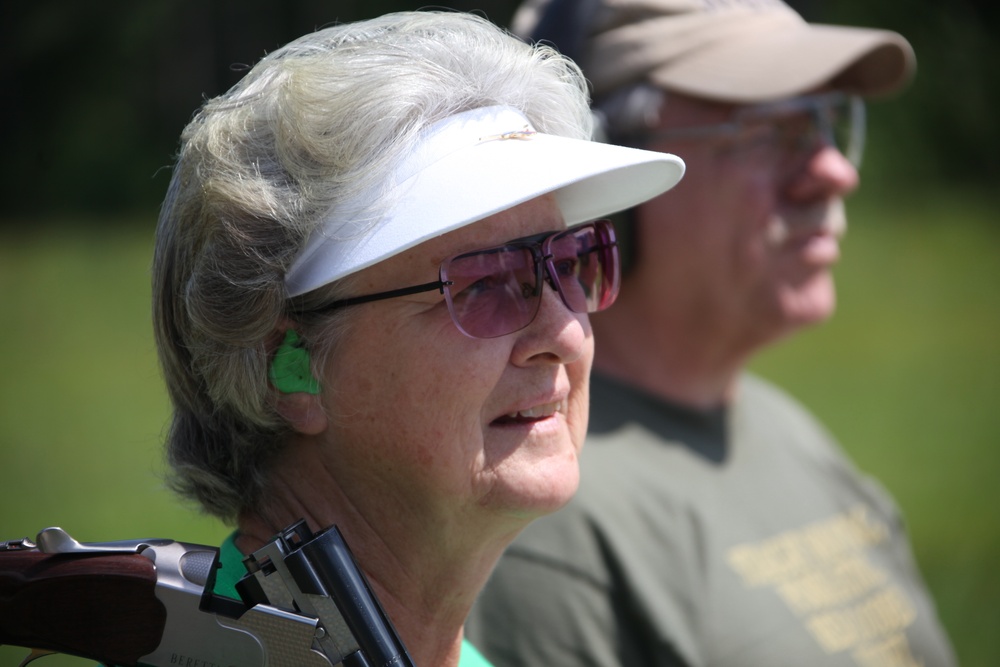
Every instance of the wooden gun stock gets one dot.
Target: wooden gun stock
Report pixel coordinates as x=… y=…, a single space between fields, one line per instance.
x=98 y=606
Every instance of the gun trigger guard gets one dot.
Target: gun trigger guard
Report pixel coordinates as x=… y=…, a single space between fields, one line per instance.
x=35 y=654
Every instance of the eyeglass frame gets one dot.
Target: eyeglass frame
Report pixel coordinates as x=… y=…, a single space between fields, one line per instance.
x=814 y=104
x=536 y=243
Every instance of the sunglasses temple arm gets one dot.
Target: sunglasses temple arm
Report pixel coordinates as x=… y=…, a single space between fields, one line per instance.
x=403 y=291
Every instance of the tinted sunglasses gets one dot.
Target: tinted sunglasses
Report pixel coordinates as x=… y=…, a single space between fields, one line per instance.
x=497 y=291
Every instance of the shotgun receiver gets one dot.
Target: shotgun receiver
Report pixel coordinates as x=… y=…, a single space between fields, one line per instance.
x=304 y=603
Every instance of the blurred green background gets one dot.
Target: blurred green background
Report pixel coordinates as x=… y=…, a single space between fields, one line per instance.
x=907 y=375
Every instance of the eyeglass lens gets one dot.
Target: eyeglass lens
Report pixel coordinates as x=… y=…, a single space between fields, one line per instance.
x=800 y=125
x=498 y=291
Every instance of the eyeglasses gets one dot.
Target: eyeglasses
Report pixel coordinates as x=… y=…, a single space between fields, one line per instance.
x=497 y=291
x=794 y=127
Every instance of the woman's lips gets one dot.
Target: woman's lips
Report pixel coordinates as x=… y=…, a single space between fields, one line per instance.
x=534 y=413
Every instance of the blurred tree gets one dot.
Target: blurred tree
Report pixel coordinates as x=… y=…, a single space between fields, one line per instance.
x=942 y=131
x=95 y=94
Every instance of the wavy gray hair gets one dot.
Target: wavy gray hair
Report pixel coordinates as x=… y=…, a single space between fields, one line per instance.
x=312 y=124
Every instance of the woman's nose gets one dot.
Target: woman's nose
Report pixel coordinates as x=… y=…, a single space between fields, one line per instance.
x=556 y=335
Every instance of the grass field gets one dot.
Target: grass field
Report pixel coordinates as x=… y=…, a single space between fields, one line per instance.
x=907 y=376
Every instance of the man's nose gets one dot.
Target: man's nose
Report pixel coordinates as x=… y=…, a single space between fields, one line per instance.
x=826 y=174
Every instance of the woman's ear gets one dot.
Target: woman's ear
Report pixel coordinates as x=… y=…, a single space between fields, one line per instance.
x=299 y=400
x=303 y=412
x=290 y=371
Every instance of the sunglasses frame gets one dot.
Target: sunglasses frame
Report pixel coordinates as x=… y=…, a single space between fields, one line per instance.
x=540 y=247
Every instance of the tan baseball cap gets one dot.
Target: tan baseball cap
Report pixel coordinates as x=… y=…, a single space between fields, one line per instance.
x=736 y=51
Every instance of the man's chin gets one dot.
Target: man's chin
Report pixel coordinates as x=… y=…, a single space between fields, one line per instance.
x=810 y=304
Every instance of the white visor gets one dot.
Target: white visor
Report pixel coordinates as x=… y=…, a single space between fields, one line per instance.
x=468 y=167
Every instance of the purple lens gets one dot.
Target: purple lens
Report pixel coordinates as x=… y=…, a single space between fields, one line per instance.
x=583 y=262
x=496 y=291
x=493 y=292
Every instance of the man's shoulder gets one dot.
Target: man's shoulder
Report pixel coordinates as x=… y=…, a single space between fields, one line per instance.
x=764 y=410
x=599 y=529
x=759 y=392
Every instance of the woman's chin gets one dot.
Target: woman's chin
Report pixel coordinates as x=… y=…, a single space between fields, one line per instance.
x=542 y=489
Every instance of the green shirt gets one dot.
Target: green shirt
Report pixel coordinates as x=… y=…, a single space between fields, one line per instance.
x=232 y=571
x=737 y=537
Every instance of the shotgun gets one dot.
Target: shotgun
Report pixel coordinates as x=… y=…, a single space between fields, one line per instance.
x=303 y=603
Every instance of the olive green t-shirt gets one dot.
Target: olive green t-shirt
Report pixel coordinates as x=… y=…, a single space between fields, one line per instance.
x=739 y=537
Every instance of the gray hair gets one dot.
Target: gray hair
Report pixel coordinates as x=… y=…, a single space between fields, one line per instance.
x=312 y=124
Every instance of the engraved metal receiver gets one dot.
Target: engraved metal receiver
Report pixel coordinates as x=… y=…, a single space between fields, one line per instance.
x=304 y=603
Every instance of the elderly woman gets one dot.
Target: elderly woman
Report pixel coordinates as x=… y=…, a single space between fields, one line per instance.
x=372 y=276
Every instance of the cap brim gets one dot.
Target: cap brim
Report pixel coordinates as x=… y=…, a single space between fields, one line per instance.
x=768 y=64
x=588 y=179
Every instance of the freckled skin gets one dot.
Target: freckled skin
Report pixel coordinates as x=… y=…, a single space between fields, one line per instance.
x=408 y=449
x=416 y=403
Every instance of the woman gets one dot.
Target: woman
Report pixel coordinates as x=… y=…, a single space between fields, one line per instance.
x=351 y=305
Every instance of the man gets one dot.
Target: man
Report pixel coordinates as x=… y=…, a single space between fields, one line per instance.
x=717 y=523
